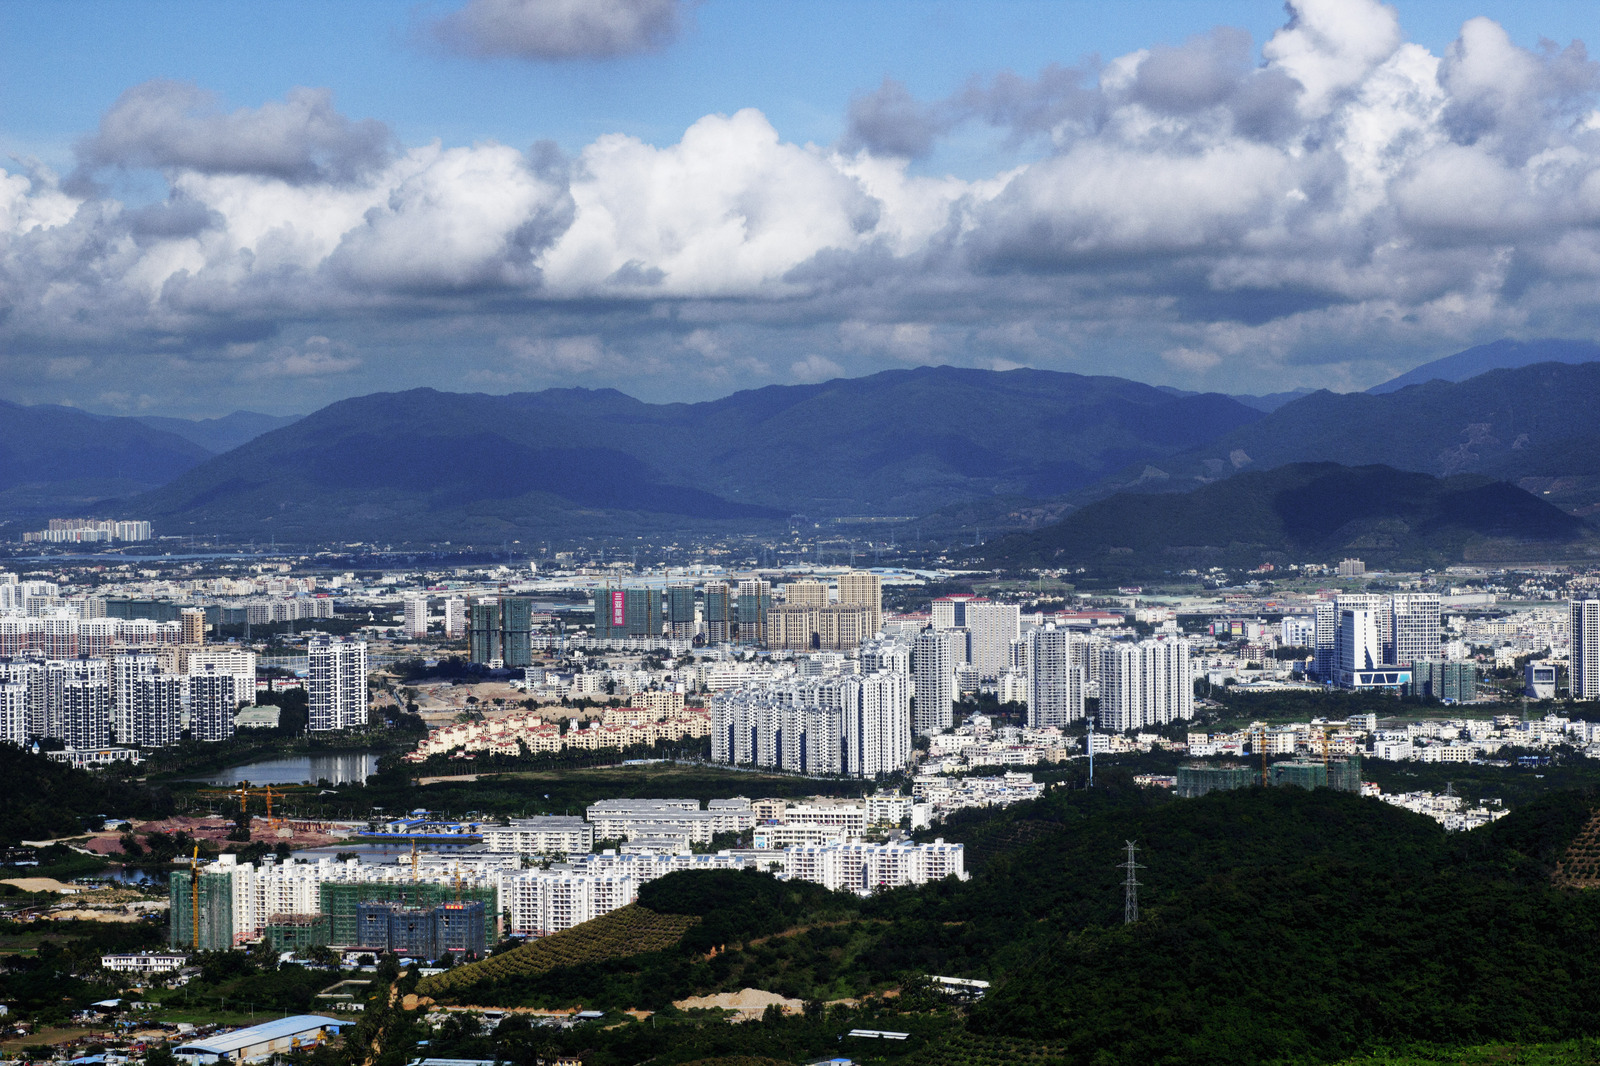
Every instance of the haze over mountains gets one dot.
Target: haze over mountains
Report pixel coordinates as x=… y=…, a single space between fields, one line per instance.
x=451 y=466
x=970 y=448
x=1308 y=511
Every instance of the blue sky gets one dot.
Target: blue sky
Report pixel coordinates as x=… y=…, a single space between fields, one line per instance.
x=844 y=267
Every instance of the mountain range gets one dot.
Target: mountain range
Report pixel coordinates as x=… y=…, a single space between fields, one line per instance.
x=1529 y=425
x=1308 y=511
x=426 y=465
x=963 y=451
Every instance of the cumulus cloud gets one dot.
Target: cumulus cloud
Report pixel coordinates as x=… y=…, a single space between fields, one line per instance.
x=178 y=126
x=560 y=29
x=1188 y=210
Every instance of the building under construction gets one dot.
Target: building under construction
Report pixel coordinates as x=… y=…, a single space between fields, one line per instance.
x=213 y=931
x=1343 y=774
x=430 y=912
x=422 y=932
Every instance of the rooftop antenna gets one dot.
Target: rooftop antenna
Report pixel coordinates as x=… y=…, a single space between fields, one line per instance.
x=1130 y=887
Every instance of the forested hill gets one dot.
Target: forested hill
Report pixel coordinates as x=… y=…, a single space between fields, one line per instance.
x=1533 y=426
x=1276 y=925
x=1317 y=512
x=426 y=465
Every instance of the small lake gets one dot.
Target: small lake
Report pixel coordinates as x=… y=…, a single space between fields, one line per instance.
x=339 y=768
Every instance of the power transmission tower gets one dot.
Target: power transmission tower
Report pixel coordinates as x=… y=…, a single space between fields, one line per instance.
x=1130 y=887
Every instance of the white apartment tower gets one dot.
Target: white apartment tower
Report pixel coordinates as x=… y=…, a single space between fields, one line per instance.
x=13 y=713
x=1585 y=653
x=1144 y=685
x=336 y=683
x=934 y=661
x=156 y=718
x=415 y=620
x=455 y=617
x=213 y=699
x=993 y=627
x=125 y=673
x=1414 y=628
x=1054 y=676
x=877 y=724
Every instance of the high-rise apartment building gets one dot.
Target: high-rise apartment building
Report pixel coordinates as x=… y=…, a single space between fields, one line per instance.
x=125 y=672
x=1145 y=685
x=620 y=613
x=933 y=669
x=1584 y=656
x=877 y=724
x=483 y=632
x=336 y=683
x=863 y=589
x=993 y=626
x=680 y=611
x=750 y=614
x=807 y=593
x=455 y=618
x=194 y=624
x=156 y=716
x=13 y=713
x=718 y=613
x=1414 y=628
x=213 y=702
x=1055 y=676
x=501 y=629
x=414 y=622
x=85 y=714
x=81 y=720
x=227 y=659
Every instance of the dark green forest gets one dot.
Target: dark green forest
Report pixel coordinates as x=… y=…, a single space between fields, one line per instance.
x=1276 y=926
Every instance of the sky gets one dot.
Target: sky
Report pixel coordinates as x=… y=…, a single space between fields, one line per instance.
x=272 y=206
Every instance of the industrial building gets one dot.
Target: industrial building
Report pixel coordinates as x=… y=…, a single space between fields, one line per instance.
x=263 y=1041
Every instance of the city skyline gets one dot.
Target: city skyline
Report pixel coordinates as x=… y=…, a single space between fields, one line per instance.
x=504 y=196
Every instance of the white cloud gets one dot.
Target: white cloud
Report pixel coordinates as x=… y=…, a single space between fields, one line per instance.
x=814 y=368
x=1189 y=210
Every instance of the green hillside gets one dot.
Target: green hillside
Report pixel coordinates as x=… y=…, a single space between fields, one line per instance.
x=1276 y=925
x=1505 y=423
x=1314 y=512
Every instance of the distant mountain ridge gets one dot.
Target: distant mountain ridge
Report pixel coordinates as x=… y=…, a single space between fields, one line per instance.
x=56 y=460
x=1526 y=425
x=1307 y=512
x=426 y=465
x=1498 y=355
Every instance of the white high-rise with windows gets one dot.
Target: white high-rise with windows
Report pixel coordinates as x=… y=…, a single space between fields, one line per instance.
x=336 y=683
x=125 y=672
x=415 y=623
x=1055 y=676
x=1584 y=662
x=455 y=617
x=13 y=713
x=157 y=710
x=993 y=627
x=933 y=664
x=877 y=724
x=1414 y=628
x=213 y=700
x=1145 y=685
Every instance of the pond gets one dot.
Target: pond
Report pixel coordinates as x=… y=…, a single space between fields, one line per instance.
x=339 y=768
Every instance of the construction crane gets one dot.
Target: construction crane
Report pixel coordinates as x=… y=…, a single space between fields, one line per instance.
x=194 y=896
x=413 y=862
x=246 y=793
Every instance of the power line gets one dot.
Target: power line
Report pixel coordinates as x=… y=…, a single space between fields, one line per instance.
x=1130 y=887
